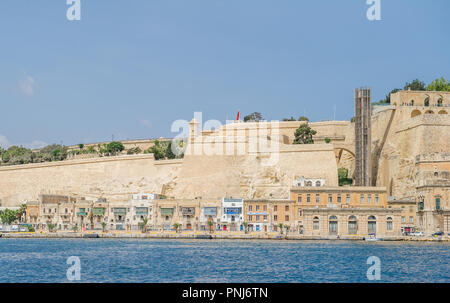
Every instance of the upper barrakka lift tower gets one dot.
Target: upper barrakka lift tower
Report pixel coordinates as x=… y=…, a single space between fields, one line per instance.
x=363 y=113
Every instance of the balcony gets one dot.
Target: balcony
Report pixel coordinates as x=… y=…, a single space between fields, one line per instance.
x=120 y=211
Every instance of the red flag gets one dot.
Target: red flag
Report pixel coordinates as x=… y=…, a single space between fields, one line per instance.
x=237 y=116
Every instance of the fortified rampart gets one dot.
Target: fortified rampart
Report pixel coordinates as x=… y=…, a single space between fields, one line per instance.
x=108 y=177
x=417 y=123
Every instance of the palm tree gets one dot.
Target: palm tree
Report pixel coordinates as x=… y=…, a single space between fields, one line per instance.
x=143 y=224
x=22 y=211
x=287 y=228
x=245 y=226
x=75 y=228
x=176 y=226
x=281 y=227
x=103 y=226
x=51 y=226
x=210 y=223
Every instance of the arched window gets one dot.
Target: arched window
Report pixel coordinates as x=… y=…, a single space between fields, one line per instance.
x=412 y=103
x=333 y=225
x=316 y=223
x=372 y=225
x=308 y=183
x=318 y=183
x=429 y=112
x=439 y=102
x=427 y=101
x=352 y=225
x=442 y=112
x=415 y=113
x=389 y=224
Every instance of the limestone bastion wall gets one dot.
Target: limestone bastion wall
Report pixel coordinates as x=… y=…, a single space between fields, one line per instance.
x=109 y=177
x=407 y=138
x=249 y=175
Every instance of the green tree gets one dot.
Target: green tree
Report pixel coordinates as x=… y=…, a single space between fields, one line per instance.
x=74 y=228
x=415 y=85
x=176 y=226
x=210 y=224
x=286 y=227
x=289 y=119
x=134 y=150
x=8 y=216
x=245 y=226
x=143 y=225
x=303 y=118
x=22 y=211
x=440 y=85
x=114 y=148
x=51 y=227
x=168 y=153
x=280 y=226
x=15 y=155
x=91 y=149
x=387 y=99
x=158 y=150
x=104 y=226
x=253 y=117
x=343 y=177
x=304 y=135
x=327 y=140
x=81 y=145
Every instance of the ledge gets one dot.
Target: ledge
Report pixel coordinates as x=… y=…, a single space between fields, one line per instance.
x=77 y=162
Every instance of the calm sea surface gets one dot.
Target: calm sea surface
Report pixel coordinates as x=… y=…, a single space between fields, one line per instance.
x=144 y=260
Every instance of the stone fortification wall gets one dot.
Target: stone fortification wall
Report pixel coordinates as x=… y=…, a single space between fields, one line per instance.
x=107 y=177
x=407 y=138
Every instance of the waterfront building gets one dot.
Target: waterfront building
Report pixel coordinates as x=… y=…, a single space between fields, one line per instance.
x=407 y=216
x=118 y=215
x=33 y=213
x=209 y=213
x=188 y=213
x=83 y=214
x=433 y=192
x=283 y=215
x=141 y=208
x=166 y=214
x=232 y=214
x=56 y=210
x=100 y=213
x=351 y=221
x=338 y=211
x=258 y=215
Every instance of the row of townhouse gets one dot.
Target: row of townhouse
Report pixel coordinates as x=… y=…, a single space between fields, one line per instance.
x=312 y=209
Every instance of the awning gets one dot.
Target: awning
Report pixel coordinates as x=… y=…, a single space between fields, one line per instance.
x=141 y=210
x=98 y=211
x=120 y=211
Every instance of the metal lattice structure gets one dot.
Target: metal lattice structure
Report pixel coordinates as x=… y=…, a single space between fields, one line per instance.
x=363 y=113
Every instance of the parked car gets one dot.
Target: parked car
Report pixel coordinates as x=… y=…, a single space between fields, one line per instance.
x=438 y=233
x=418 y=234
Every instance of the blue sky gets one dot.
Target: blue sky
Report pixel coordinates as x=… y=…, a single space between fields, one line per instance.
x=130 y=68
